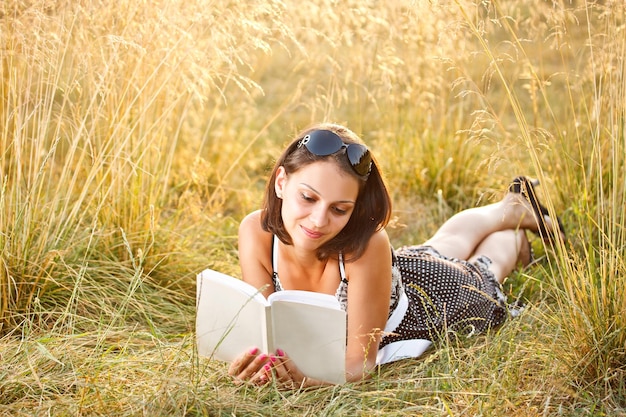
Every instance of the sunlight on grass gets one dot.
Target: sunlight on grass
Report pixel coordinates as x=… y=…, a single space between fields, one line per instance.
x=135 y=136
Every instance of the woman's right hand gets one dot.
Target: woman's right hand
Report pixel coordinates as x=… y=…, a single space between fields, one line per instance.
x=251 y=367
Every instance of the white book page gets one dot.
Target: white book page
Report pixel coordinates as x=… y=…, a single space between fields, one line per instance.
x=231 y=316
x=306 y=297
x=314 y=337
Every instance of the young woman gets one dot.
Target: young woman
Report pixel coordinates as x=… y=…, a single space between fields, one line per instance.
x=321 y=229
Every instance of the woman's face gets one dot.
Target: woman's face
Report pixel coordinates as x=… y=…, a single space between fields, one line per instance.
x=318 y=201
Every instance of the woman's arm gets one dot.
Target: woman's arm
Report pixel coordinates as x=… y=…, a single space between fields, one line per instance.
x=255 y=253
x=369 y=293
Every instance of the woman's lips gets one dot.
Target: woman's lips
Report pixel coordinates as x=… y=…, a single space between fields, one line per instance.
x=312 y=234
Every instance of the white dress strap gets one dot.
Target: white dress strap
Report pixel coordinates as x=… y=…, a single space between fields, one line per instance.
x=275 y=255
x=342 y=268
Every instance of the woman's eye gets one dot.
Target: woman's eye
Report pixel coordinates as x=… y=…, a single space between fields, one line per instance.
x=340 y=211
x=306 y=198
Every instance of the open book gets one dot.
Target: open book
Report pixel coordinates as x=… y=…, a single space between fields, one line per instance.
x=233 y=316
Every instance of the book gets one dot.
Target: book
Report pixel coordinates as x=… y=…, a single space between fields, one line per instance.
x=232 y=317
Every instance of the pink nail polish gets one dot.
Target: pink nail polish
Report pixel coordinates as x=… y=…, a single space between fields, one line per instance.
x=267 y=367
x=262 y=356
x=280 y=353
x=273 y=358
x=253 y=351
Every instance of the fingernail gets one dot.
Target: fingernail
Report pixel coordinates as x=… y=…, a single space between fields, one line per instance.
x=253 y=351
x=279 y=352
x=267 y=368
x=263 y=356
x=273 y=358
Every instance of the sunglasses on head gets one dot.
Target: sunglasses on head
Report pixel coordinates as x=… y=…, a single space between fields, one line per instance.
x=325 y=142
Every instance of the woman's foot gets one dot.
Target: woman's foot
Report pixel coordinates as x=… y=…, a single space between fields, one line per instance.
x=543 y=225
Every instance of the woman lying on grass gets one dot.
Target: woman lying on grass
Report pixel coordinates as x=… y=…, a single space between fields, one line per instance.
x=321 y=229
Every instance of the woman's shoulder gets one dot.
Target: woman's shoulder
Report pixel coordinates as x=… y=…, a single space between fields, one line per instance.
x=372 y=270
x=251 y=233
x=378 y=249
x=251 y=224
x=255 y=246
x=379 y=240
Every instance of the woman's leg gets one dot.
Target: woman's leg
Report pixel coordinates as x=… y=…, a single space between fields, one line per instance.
x=461 y=235
x=506 y=249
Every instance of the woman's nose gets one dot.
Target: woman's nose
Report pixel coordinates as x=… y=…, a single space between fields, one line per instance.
x=319 y=216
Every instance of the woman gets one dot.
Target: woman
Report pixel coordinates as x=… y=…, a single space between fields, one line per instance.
x=321 y=229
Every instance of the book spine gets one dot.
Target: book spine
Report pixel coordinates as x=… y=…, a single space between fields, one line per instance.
x=268 y=333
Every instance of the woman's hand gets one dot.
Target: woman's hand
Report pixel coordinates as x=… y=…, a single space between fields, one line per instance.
x=287 y=375
x=252 y=367
x=260 y=369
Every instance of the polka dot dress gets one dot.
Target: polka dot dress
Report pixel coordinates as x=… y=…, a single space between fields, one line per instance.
x=431 y=296
x=445 y=295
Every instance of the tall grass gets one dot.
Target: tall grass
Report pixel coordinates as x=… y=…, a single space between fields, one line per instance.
x=590 y=302
x=95 y=102
x=135 y=136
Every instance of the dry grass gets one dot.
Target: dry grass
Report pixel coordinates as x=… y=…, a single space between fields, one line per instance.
x=134 y=136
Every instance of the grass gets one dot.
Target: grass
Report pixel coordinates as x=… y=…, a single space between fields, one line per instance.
x=134 y=138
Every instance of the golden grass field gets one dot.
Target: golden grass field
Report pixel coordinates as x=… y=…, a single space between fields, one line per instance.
x=135 y=135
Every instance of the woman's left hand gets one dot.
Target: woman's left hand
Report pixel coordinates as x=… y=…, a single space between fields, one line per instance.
x=285 y=372
x=287 y=375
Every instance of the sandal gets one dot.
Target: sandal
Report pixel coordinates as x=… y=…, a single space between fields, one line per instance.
x=526 y=187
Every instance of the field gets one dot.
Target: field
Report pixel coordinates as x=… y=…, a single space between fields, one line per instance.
x=135 y=135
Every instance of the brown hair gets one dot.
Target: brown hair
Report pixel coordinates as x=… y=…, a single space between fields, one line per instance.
x=371 y=211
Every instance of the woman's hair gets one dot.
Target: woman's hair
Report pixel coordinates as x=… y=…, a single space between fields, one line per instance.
x=372 y=208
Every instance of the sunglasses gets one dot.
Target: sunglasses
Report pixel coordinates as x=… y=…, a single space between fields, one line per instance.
x=325 y=142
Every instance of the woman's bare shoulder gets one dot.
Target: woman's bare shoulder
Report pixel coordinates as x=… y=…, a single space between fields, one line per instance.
x=255 y=251
x=377 y=254
x=378 y=244
x=251 y=233
x=250 y=227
